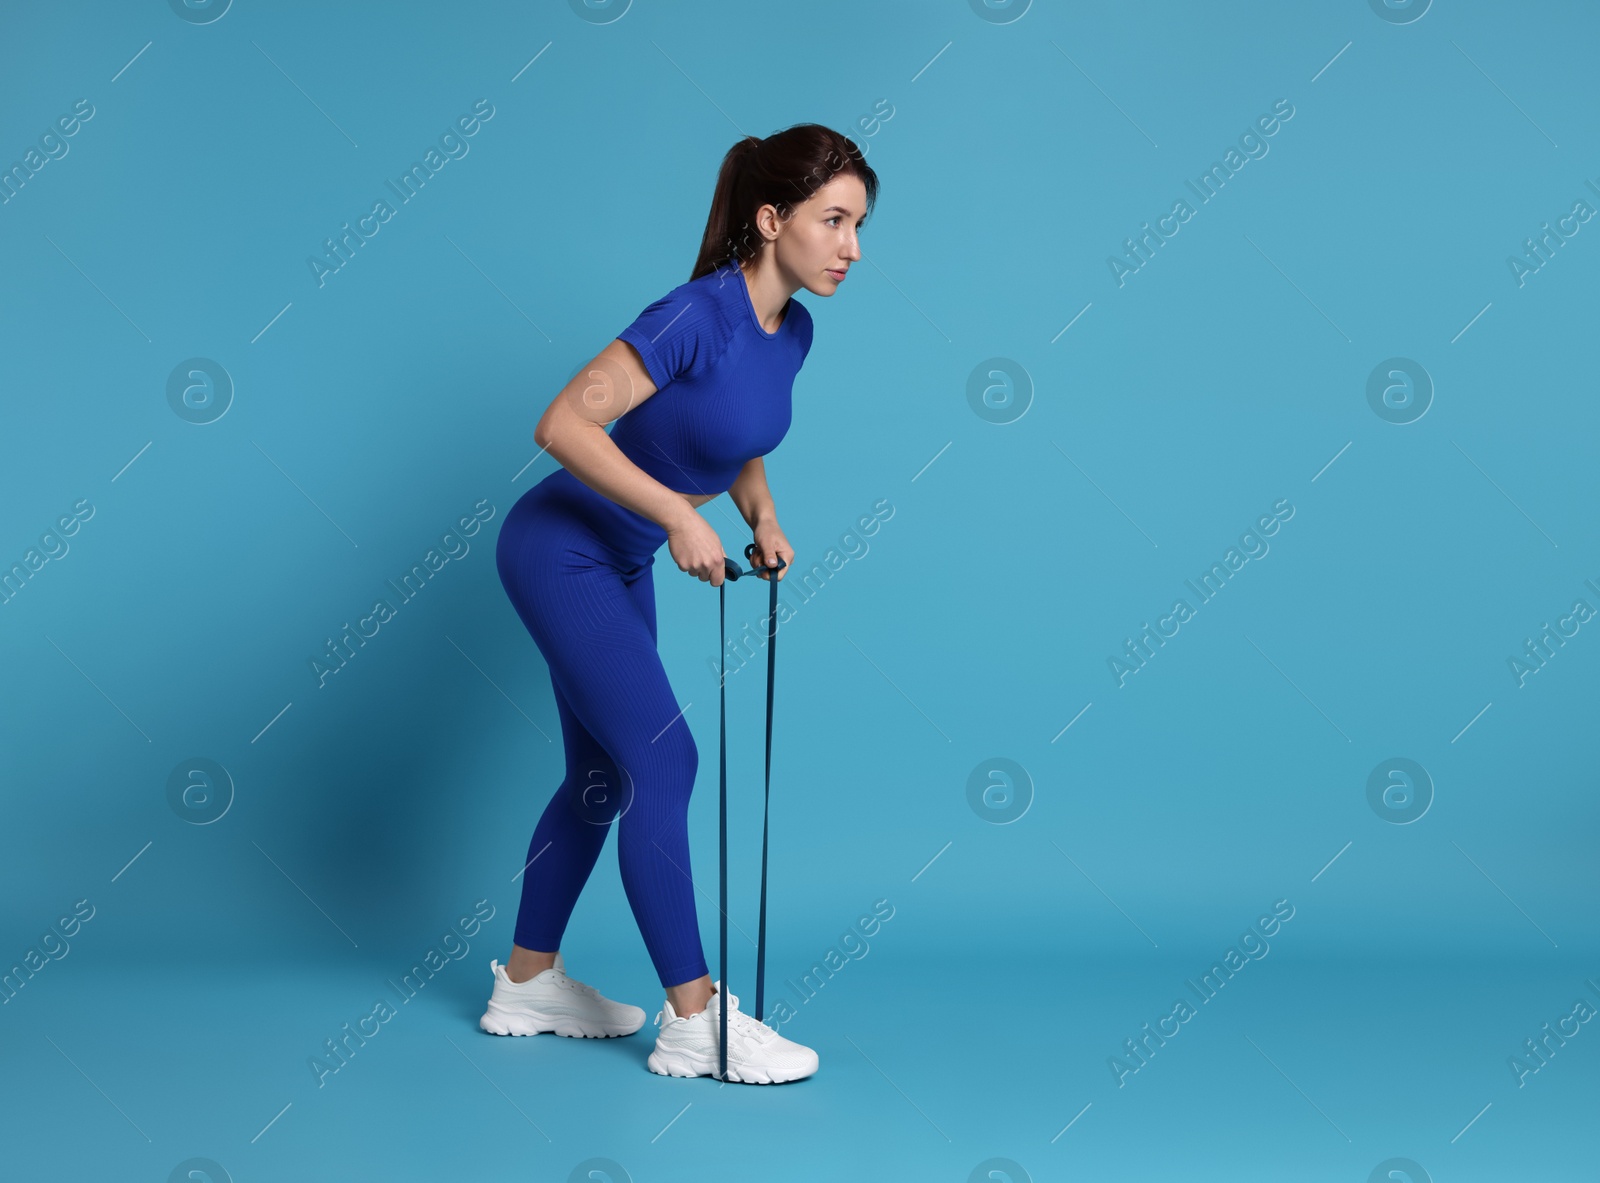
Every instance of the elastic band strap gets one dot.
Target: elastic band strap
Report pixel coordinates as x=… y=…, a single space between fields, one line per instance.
x=722 y=840
x=761 y=932
x=722 y=852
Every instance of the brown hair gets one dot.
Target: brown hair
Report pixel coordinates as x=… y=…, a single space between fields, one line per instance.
x=783 y=170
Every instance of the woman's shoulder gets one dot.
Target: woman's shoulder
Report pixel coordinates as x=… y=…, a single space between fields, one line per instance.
x=706 y=296
x=684 y=332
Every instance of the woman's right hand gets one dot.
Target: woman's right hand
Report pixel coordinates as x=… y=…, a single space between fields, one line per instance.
x=697 y=549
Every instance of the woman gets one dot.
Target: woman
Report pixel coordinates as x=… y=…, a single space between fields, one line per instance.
x=699 y=385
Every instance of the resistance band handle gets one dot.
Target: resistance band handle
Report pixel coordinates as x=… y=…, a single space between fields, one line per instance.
x=732 y=570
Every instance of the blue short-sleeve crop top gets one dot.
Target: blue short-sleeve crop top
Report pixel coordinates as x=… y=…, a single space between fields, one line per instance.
x=723 y=383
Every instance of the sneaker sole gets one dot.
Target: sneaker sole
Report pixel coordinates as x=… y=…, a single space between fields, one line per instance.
x=684 y=1064
x=499 y=1022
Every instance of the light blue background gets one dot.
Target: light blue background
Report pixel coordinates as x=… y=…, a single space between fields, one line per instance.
x=1229 y=372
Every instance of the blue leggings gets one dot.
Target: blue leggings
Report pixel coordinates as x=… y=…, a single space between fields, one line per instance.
x=577 y=567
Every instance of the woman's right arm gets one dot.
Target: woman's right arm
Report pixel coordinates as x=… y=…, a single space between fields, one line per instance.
x=572 y=429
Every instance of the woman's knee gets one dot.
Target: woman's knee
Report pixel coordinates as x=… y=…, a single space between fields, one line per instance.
x=597 y=790
x=681 y=751
x=665 y=765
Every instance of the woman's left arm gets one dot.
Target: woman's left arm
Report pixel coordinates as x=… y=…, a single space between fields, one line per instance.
x=750 y=493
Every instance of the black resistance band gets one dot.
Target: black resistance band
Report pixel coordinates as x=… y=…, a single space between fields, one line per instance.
x=733 y=571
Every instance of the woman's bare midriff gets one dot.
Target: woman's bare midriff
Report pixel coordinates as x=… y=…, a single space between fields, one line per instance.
x=696 y=500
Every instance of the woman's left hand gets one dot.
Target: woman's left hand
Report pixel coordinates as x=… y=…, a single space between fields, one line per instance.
x=771 y=546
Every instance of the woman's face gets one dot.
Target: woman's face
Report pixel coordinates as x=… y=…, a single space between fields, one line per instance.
x=818 y=244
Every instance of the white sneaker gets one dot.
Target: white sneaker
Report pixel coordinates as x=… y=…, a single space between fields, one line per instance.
x=687 y=1046
x=551 y=1001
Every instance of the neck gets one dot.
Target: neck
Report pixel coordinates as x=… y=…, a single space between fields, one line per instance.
x=768 y=296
